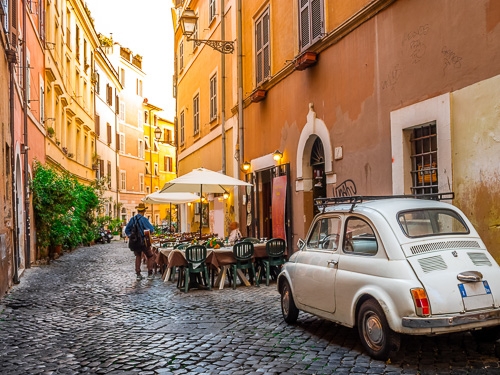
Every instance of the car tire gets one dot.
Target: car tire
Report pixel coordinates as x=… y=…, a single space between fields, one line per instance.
x=375 y=334
x=289 y=310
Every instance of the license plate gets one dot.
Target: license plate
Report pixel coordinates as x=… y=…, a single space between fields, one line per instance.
x=474 y=289
x=476 y=295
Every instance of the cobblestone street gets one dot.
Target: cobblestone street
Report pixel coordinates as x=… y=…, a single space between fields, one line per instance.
x=85 y=313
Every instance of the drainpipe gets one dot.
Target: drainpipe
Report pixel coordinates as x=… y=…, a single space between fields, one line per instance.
x=25 y=67
x=239 y=57
x=12 y=59
x=223 y=90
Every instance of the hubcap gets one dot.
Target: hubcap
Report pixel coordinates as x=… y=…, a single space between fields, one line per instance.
x=285 y=300
x=373 y=331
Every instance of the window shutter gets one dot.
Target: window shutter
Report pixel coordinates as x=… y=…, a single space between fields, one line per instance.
x=117 y=143
x=101 y=168
x=109 y=133
x=117 y=104
x=317 y=19
x=265 y=46
x=258 y=47
x=97 y=125
x=304 y=23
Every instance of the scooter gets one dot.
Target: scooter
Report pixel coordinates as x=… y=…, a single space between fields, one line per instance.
x=105 y=235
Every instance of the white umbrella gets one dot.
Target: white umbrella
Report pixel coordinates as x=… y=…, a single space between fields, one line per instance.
x=203 y=181
x=175 y=198
x=169 y=198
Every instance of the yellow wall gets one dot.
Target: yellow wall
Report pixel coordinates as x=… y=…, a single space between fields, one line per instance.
x=476 y=151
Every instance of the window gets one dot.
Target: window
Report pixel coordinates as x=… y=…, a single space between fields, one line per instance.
x=325 y=234
x=181 y=127
x=430 y=222
x=262 y=48
x=167 y=162
x=140 y=148
x=211 y=10
x=97 y=120
x=139 y=87
x=181 y=55
x=121 y=114
x=424 y=159
x=141 y=182
x=42 y=102
x=108 y=128
x=195 y=34
x=147 y=146
x=122 y=77
x=123 y=180
x=109 y=94
x=109 y=175
x=156 y=170
x=122 y=143
x=97 y=80
x=359 y=237
x=196 y=114
x=213 y=97
x=311 y=22
x=148 y=190
x=148 y=168
x=77 y=43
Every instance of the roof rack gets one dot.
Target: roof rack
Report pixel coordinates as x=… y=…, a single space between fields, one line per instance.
x=322 y=203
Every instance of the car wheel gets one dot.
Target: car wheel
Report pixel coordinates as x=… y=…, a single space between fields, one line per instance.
x=374 y=331
x=288 y=308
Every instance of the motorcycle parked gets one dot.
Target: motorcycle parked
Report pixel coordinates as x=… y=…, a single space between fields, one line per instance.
x=105 y=235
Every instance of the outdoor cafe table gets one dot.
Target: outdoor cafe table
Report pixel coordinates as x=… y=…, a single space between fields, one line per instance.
x=219 y=259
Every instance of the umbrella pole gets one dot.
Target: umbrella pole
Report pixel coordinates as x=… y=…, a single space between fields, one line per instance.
x=170 y=225
x=201 y=208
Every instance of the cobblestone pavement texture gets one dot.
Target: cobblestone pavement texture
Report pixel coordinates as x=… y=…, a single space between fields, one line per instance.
x=85 y=313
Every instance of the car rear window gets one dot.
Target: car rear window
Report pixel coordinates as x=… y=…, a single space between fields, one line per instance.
x=431 y=222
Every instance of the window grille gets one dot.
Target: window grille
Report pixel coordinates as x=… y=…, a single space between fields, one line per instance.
x=424 y=159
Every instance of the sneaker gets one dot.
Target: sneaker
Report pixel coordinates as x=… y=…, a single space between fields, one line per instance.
x=151 y=276
x=139 y=277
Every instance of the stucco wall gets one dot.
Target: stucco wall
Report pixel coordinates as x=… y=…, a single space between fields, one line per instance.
x=476 y=151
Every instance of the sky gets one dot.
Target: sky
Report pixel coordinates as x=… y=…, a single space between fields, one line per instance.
x=144 y=27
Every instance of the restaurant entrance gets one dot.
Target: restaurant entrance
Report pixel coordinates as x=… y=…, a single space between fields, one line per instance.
x=268 y=203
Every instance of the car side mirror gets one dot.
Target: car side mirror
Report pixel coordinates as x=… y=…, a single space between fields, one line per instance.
x=301 y=243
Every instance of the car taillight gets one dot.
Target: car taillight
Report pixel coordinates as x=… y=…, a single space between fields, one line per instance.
x=421 y=302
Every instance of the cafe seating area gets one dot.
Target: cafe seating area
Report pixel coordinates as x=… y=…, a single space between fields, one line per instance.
x=211 y=263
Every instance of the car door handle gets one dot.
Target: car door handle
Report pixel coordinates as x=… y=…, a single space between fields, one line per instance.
x=332 y=262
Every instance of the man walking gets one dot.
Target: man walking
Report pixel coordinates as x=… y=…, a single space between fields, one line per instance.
x=137 y=242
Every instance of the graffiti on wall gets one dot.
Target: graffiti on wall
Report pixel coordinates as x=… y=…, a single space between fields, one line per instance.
x=345 y=189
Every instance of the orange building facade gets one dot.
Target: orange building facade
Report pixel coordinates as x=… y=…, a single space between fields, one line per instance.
x=361 y=97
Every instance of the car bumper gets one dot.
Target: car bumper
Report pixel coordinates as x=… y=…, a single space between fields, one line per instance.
x=475 y=319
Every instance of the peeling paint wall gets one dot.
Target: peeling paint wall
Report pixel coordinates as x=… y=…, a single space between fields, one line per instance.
x=476 y=154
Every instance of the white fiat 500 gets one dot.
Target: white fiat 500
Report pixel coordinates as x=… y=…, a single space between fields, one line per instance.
x=392 y=266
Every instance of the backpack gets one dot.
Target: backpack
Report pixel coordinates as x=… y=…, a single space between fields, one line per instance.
x=136 y=240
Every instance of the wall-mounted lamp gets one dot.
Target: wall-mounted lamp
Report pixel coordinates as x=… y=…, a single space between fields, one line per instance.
x=158 y=134
x=277 y=155
x=246 y=166
x=48 y=119
x=225 y=195
x=188 y=22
